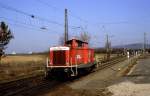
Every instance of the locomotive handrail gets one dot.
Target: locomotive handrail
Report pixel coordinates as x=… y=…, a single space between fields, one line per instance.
x=47 y=61
x=76 y=69
x=71 y=67
x=46 y=68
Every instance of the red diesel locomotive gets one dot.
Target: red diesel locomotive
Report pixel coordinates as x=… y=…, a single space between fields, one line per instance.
x=74 y=58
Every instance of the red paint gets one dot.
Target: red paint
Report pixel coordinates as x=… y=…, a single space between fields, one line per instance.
x=78 y=53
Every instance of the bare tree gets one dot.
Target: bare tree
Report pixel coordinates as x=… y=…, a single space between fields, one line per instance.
x=85 y=36
x=5 y=37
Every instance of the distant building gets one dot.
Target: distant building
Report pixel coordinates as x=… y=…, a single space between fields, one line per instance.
x=13 y=53
x=30 y=52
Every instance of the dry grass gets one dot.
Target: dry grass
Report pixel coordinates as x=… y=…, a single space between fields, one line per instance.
x=13 y=67
x=101 y=57
x=22 y=58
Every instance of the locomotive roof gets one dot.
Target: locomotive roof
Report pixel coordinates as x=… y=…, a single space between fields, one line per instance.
x=78 y=41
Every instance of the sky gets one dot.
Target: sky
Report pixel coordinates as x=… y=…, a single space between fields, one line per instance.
x=125 y=21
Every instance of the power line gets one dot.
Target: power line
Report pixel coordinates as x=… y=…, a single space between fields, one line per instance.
x=24 y=26
x=22 y=23
x=29 y=25
x=16 y=21
x=48 y=5
x=119 y=22
x=30 y=28
x=16 y=10
x=57 y=9
x=32 y=16
x=76 y=17
x=28 y=14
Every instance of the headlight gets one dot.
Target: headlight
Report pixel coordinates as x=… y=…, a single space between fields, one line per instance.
x=66 y=70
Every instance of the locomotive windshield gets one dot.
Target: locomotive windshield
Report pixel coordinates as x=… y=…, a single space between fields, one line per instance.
x=77 y=43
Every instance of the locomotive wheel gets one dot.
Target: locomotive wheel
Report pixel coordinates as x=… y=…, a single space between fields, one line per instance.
x=66 y=76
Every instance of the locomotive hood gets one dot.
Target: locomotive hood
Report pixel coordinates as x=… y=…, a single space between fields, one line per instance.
x=59 y=48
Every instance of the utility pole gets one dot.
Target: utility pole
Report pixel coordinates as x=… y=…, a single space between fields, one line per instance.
x=108 y=45
x=66 y=26
x=144 y=43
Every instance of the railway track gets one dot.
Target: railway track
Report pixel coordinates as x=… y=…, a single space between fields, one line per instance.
x=31 y=86
x=27 y=86
x=10 y=88
x=110 y=63
x=100 y=67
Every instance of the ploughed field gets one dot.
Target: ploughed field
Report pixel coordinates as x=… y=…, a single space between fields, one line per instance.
x=16 y=67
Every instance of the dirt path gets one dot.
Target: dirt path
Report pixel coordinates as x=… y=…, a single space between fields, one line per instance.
x=135 y=83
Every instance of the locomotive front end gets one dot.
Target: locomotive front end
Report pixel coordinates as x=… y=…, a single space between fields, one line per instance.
x=59 y=57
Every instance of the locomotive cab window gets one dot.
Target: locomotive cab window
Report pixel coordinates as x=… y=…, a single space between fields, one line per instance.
x=80 y=44
x=76 y=43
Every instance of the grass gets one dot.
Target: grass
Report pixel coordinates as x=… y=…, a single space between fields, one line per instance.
x=102 y=57
x=13 y=67
x=22 y=58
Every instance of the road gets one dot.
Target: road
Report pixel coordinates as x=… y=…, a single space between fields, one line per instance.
x=136 y=82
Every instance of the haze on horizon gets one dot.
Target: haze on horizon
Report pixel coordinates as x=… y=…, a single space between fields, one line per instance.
x=38 y=24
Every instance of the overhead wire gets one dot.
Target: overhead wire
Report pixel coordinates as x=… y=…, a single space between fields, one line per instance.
x=16 y=10
x=41 y=18
x=57 y=9
x=29 y=25
x=30 y=15
x=60 y=10
x=50 y=21
x=38 y=17
x=24 y=26
x=31 y=29
x=79 y=18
